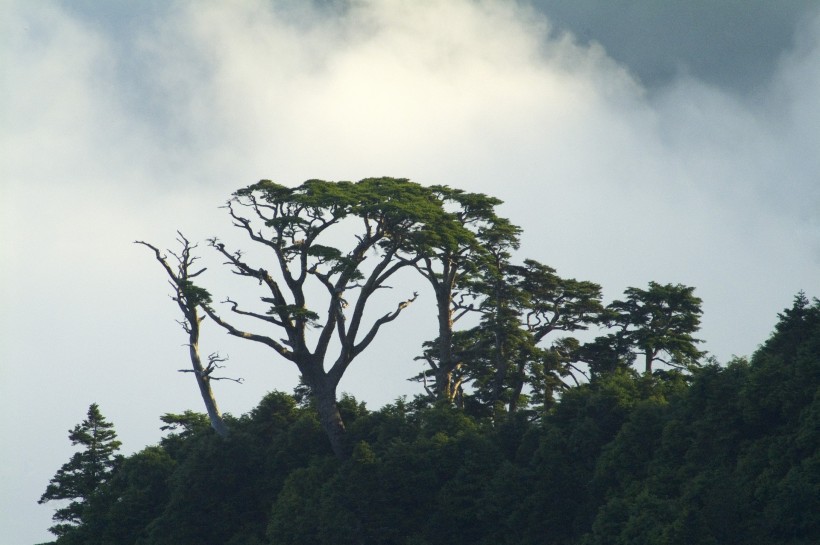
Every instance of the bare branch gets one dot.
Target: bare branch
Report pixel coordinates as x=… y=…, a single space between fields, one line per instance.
x=239 y=380
x=189 y=297
x=426 y=387
x=266 y=318
x=381 y=321
x=350 y=351
x=281 y=350
x=572 y=366
x=464 y=310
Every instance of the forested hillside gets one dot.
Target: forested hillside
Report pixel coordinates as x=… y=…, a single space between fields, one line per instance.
x=548 y=416
x=726 y=455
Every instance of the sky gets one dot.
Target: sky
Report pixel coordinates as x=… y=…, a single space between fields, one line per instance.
x=633 y=141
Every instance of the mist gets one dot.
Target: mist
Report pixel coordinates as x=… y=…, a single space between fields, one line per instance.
x=124 y=126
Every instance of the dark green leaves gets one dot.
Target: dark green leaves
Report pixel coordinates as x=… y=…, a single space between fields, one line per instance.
x=660 y=322
x=294 y=312
x=86 y=472
x=193 y=294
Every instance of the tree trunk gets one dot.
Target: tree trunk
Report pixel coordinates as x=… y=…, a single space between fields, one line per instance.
x=649 y=359
x=188 y=302
x=331 y=420
x=446 y=366
x=323 y=392
x=518 y=385
x=214 y=415
x=501 y=370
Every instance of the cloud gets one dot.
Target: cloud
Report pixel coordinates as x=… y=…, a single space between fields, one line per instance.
x=398 y=79
x=724 y=44
x=116 y=135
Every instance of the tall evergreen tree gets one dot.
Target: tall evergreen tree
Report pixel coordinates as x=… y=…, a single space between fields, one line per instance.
x=522 y=307
x=83 y=475
x=658 y=324
x=451 y=258
x=552 y=305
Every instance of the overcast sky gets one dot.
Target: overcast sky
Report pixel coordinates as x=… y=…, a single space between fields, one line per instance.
x=632 y=141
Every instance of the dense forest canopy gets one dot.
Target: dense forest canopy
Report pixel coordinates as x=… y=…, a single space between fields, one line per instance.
x=526 y=431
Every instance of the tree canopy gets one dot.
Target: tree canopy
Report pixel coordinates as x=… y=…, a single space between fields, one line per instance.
x=348 y=240
x=533 y=425
x=727 y=454
x=79 y=479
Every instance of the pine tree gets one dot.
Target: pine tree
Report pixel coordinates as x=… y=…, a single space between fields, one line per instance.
x=79 y=478
x=658 y=323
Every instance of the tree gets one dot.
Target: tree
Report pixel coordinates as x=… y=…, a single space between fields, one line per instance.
x=497 y=339
x=523 y=306
x=606 y=354
x=449 y=258
x=298 y=225
x=85 y=473
x=658 y=324
x=793 y=324
x=554 y=304
x=123 y=509
x=189 y=297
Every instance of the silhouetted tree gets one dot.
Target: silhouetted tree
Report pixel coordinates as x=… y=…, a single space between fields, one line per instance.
x=523 y=307
x=189 y=297
x=450 y=257
x=658 y=323
x=386 y=216
x=85 y=473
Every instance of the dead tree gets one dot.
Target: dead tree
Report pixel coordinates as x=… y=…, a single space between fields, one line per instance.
x=189 y=297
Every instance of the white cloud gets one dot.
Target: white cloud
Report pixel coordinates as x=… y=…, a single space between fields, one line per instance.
x=693 y=185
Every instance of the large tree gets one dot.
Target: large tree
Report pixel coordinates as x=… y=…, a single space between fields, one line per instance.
x=553 y=304
x=85 y=473
x=450 y=258
x=658 y=323
x=525 y=305
x=303 y=228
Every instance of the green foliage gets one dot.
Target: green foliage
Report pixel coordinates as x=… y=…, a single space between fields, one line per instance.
x=134 y=498
x=736 y=456
x=514 y=443
x=193 y=294
x=723 y=455
x=658 y=324
x=295 y=312
x=188 y=423
x=85 y=474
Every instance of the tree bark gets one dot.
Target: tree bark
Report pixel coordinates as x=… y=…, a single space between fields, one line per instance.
x=332 y=423
x=323 y=391
x=179 y=280
x=518 y=386
x=444 y=373
x=203 y=381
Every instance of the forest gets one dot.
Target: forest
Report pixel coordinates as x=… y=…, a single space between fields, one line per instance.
x=547 y=415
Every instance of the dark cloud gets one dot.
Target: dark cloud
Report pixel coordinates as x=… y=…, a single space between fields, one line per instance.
x=732 y=44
